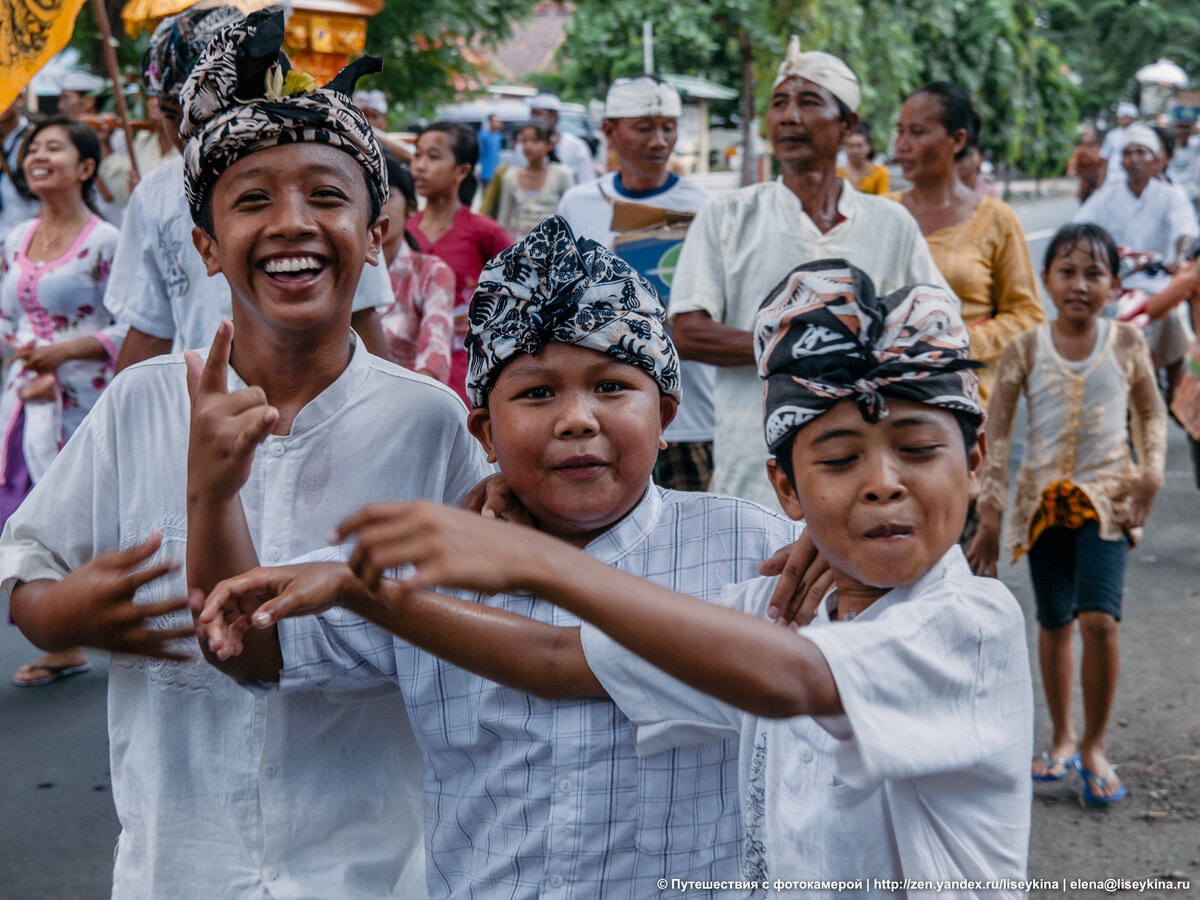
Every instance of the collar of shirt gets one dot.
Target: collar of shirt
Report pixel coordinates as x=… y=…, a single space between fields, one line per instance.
x=330 y=400
x=631 y=532
x=952 y=564
x=848 y=206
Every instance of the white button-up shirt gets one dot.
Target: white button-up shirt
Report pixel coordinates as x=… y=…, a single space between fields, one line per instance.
x=222 y=792
x=159 y=284
x=1151 y=223
x=740 y=246
x=926 y=774
x=536 y=798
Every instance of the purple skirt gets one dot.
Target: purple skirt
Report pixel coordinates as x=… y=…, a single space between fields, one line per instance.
x=17 y=483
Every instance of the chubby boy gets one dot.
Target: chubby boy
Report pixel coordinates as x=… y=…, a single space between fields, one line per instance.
x=222 y=792
x=889 y=738
x=573 y=380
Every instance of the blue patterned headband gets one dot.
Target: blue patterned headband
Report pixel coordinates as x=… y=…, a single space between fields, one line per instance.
x=243 y=96
x=552 y=287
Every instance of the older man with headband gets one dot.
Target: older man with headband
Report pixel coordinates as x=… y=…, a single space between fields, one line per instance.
x=742 y=244
x=640 y=121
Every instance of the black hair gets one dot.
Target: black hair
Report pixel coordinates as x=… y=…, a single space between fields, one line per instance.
x=86 y=144
x=957 y=112
x=1098 y=242
x=541 y=128
x=465 y=147
x=967 y=424
x=865 y=130
x=400 y=179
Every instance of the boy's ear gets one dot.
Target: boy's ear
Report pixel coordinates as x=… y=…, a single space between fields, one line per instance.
x=375 y=235
x=206 y=246
x=667 y=408
x=479 y=423
x=785 y=491
x=976 y=460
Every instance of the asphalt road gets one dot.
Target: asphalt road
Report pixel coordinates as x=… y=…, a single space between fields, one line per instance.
x=58 y=827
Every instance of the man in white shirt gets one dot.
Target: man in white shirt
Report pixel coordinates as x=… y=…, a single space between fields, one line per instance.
x=1147 y=215
x=1110 y=148
x=572 y=151
x=159 y=286
x=640 y=119
x=743 y=243
x=222 y=792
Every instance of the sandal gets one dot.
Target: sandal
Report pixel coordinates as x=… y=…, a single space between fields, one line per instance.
x=1053 y=771
x=1093 y=784
x=53 y=673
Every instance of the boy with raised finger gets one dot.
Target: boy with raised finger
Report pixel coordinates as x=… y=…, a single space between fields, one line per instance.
x=222 y=792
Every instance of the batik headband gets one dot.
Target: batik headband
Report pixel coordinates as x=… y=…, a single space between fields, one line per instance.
x=243 y=96
x=554 y=288
x=823 y=336
x=176 y=45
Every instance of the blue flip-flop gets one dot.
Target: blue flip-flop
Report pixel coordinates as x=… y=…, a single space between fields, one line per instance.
x=1091 y=779
x=1051 y=763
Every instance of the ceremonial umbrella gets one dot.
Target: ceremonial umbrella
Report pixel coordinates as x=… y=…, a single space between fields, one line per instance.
x=31 y=32
x=139 y=15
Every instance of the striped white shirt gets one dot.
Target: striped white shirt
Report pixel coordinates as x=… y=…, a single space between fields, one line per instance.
x=534 y=798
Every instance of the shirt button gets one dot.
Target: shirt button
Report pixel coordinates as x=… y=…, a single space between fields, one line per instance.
x=270 y=874
x=565 y=785
x=270 y=769
x=277 y=448
x=274 y=552
x=556 y=881
x=806 y=754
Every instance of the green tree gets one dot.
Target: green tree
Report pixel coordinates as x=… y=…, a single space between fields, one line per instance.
x=1105 y=42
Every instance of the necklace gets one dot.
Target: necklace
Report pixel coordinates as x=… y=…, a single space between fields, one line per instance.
x=47 y=237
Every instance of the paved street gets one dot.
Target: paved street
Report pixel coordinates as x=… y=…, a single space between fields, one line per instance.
x=58 y=828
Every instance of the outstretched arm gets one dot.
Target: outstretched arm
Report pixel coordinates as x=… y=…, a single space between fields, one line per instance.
x=774 y=673
x=535 y=657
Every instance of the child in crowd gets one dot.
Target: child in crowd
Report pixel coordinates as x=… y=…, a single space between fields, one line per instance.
x=444 y=174
x=1081 y=499
x=419 y=325
x=531 y=192
x=889 y=738
x=573 y=380
x=222 y=792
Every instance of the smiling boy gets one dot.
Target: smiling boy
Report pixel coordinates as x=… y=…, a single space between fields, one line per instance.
x=222 y=792
x=888 y=739
x=573 y=380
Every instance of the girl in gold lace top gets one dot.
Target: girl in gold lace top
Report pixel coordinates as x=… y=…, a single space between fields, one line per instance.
x=1081 y=498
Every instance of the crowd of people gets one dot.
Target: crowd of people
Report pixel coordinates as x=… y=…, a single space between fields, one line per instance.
x=576 y=683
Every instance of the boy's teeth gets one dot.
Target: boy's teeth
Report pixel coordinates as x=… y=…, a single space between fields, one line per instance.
x=291 y=264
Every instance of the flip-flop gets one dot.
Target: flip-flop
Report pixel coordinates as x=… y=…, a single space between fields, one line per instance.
x=1091 y=779
x=1067 y=763
x=54 y=673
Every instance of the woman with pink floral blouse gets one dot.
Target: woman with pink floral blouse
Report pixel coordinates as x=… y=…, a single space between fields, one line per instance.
x=61 y=340
x=420 y=325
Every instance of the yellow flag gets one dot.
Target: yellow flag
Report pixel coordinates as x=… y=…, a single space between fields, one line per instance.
x=31 y=32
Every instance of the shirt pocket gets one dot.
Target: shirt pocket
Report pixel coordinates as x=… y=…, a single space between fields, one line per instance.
x=688 y=803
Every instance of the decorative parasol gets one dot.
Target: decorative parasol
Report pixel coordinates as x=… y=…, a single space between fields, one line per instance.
x=144 y=15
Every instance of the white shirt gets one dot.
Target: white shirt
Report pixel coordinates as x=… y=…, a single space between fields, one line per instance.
x=1110 y=149
x=925 y=776
x=536 y=798
x=222 y=792
x=159 y=284
x=1151 y=223
x=740 y=246
x=1184 y=168
x=588 y=209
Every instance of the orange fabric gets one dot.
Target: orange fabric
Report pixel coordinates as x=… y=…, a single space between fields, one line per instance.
x=1063 y=504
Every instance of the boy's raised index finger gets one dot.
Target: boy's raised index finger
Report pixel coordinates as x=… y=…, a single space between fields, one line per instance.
x=214 y=378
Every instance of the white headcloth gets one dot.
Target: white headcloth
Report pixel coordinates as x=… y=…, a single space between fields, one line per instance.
x=822 y=69
x=632 y=98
